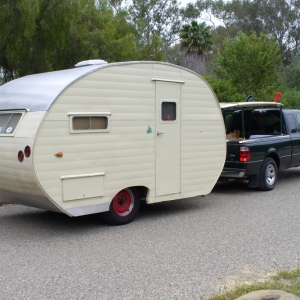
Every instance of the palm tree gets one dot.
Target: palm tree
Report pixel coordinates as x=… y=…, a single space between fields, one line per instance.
x=196 y=40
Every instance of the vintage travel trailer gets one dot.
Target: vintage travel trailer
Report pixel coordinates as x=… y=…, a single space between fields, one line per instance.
x=101 y=137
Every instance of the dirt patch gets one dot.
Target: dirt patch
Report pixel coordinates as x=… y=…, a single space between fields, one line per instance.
x=247 y=275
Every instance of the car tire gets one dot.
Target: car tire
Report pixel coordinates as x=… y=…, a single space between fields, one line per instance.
x=268 y=175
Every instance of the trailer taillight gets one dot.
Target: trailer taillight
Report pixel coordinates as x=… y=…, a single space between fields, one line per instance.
x=20 y=156
x=244 y=154
x=27 y=151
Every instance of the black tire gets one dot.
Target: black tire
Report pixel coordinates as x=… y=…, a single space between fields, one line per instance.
x=268 y=175
x=123 y=208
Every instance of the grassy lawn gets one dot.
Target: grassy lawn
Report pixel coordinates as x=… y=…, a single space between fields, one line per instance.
x=288 y=281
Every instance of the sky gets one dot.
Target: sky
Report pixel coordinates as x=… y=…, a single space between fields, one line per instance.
x=185 y=2
x=205 y=18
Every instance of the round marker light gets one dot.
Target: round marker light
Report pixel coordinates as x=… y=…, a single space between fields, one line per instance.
x=21 y=156
x=27 y=151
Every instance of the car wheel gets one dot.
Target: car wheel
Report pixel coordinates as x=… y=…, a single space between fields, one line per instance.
x=268 y=174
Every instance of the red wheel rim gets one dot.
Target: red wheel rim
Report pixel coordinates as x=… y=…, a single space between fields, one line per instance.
x=123 y=203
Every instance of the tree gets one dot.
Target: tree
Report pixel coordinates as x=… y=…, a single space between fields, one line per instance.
x=239 y=15
x=33 y=32
x=99 y=33
x=44 y=35
x=196 y=41
x=224 y=89
x=291 y=74
x=281 y=18
x=250 y=63
x=291 y=99
x=157 y=24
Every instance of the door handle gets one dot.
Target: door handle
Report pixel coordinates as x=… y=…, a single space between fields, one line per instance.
x=159 y=133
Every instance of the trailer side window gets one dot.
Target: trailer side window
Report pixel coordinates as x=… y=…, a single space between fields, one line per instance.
x=89 y=123
x=84 y=123
x=9 y=122
x=168 y=111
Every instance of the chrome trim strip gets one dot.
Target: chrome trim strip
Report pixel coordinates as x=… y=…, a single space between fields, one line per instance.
x=64 y=177
x=278 y=136
x=167 y=79
x=88 y=210
x=94 y=113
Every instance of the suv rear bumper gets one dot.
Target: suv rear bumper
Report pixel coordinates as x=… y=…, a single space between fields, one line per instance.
x=233 y=173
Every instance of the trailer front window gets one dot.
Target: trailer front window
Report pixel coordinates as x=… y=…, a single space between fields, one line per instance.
x=9 y=122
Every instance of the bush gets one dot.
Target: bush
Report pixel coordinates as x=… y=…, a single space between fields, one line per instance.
x=225 y=90
x=291 y=99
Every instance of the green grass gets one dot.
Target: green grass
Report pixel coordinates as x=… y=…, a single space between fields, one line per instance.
x=287 y=281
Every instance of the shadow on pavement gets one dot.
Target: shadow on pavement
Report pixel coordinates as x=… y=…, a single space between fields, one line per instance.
x=20 y=218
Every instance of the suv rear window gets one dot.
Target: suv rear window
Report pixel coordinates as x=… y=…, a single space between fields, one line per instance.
x=9 y=122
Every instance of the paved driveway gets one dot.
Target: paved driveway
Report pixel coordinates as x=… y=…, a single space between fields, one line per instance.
x=173 y=250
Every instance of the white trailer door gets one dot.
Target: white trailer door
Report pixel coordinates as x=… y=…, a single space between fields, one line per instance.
x=167 y=138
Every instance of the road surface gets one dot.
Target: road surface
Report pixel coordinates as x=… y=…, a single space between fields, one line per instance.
x=174 y=250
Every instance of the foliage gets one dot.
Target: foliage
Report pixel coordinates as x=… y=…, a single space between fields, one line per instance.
x=174 y=55
x=279 y=18
x=196 y=41
x=288 y=281
x=196 y=37
x=157 y=24
x=291 y=99
x=225 y=90
x=45 y=35
x=250 y=63
x=238 y=15
x=291 y=74
x=99 y=33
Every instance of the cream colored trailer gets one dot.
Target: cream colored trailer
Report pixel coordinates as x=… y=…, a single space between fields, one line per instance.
x=99 y=138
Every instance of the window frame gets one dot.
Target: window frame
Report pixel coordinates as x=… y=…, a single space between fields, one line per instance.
x=3 y=112
x=177 y=112
x=88 y=114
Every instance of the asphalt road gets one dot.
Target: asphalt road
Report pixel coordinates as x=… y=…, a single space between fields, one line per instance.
x=173 y=250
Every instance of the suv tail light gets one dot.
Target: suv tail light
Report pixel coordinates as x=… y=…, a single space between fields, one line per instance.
x=244 y=154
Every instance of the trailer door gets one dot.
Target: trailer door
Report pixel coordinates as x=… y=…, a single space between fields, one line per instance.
x=167 y=138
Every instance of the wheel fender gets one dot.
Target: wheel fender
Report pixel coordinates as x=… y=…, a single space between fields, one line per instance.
x=254 y=180
x=272 y=152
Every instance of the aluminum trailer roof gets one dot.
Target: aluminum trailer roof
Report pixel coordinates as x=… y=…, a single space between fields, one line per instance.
x=37 y=92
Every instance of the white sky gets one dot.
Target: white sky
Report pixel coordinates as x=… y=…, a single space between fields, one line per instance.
x=210 y=20
x=185 y=2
